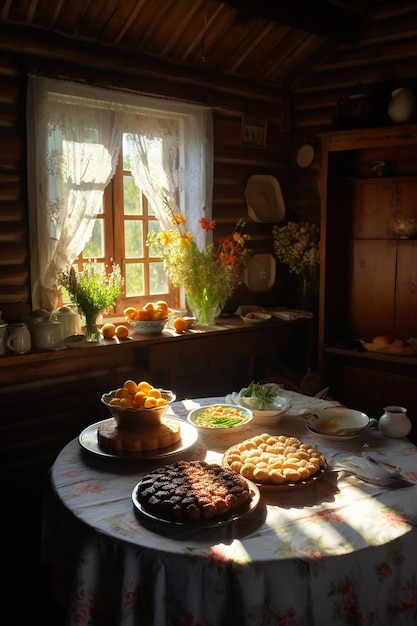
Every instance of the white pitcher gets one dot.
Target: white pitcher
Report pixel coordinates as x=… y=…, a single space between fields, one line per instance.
x=394 y=422
x=19 y=340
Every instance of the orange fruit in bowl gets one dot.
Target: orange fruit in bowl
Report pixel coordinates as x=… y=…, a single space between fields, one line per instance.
x=131 y=387
x=180 y=324
x=130 y=313
x=121 y=332
x=163 y=307
x=149 y=402
x=122 y=392
x=139 y=398
x=143 y=315
x=144 y=386
x=154 y=393
x=126 y=403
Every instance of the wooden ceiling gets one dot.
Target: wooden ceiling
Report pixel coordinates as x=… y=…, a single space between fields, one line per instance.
x=274 y=42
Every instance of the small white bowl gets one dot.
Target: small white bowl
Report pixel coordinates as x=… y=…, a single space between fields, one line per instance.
x=148 y=327
x=269 y=416
x=195 y=415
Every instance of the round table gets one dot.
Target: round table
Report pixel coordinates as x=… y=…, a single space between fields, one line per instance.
x=341 y=551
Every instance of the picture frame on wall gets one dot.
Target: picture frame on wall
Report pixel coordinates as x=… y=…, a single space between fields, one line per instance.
x=253 y=132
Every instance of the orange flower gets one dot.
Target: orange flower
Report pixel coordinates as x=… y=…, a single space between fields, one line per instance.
x=206 y=225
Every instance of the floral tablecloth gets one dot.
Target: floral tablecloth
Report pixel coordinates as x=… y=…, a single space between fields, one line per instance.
x=342 y=551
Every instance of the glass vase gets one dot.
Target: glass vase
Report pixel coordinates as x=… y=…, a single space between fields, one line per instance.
x=203 y=308
x=306 y=298
x=91 y=330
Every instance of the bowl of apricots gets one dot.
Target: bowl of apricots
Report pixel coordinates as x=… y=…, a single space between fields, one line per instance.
x=136 y=406
x=150 y=319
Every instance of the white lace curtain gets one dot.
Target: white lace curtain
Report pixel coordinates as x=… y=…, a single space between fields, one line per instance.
x=74 y=141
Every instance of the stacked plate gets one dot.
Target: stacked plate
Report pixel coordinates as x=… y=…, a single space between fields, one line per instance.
x=339 y=423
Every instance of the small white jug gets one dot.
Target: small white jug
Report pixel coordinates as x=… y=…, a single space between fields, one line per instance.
x=394 y=422
x=19 y=340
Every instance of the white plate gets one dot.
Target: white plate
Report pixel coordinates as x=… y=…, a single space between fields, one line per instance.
x=88 y=439
x=260 y=272
x=233 y=516
x=332 y=437
x=260 y=317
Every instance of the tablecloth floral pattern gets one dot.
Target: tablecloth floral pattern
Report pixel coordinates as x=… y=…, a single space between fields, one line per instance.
x=341 y=551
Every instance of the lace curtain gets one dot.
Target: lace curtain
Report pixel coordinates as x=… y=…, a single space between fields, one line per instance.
x=74 y=140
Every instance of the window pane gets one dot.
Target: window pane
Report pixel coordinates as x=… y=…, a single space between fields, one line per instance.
x=153 y=226
x=134 y=280
x=133 y=239
x=157 y=279
x=94 y=248
x=132 y=197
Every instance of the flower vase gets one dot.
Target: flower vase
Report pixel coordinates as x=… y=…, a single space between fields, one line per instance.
x=91 y=330
x=306 y=293
x=203 y=308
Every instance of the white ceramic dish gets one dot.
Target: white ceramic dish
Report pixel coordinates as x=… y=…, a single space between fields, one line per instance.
x=195 y=415
x=256 y=318
x=265 y=417
x=338 y=423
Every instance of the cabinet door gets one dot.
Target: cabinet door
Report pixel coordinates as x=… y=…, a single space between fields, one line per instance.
x=406 y=290
x=373 y=287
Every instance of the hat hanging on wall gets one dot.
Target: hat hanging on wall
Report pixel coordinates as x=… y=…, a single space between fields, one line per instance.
x=264 y=199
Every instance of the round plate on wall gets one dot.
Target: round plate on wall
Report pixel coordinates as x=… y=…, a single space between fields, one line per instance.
x=305 y=155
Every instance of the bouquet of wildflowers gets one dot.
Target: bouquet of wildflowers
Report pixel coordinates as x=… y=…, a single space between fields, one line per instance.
x=297 y=245
x=92 y=290
x=208 y=276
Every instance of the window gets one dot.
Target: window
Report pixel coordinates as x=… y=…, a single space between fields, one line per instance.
x=85 y=198
x=119 y=233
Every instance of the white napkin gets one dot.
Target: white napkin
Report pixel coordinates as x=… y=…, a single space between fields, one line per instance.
x=366 y=470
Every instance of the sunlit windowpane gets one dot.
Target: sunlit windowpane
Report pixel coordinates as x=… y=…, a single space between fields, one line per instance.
x=132 y=197
x=157 y=279
x=133 y=239
x=135 y=283
x=95 y=246
x=153 y=226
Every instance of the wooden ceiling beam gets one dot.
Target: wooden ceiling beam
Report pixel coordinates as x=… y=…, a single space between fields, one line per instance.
x=319 y=17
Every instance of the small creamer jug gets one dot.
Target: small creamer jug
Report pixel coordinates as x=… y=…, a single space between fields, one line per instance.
x=19 y=339
x=394 y=422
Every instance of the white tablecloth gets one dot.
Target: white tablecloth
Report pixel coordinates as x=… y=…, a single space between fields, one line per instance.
x=342 y=551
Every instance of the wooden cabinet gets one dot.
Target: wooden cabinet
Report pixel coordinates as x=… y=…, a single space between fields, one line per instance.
x=368 y=281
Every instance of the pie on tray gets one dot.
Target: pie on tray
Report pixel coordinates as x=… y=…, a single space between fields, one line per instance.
x=192 y=491
x=275 y=460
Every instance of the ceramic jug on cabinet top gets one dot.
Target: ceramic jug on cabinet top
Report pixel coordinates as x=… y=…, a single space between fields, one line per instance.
x=401 y=106
x=394 y=422
x=19 y=339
